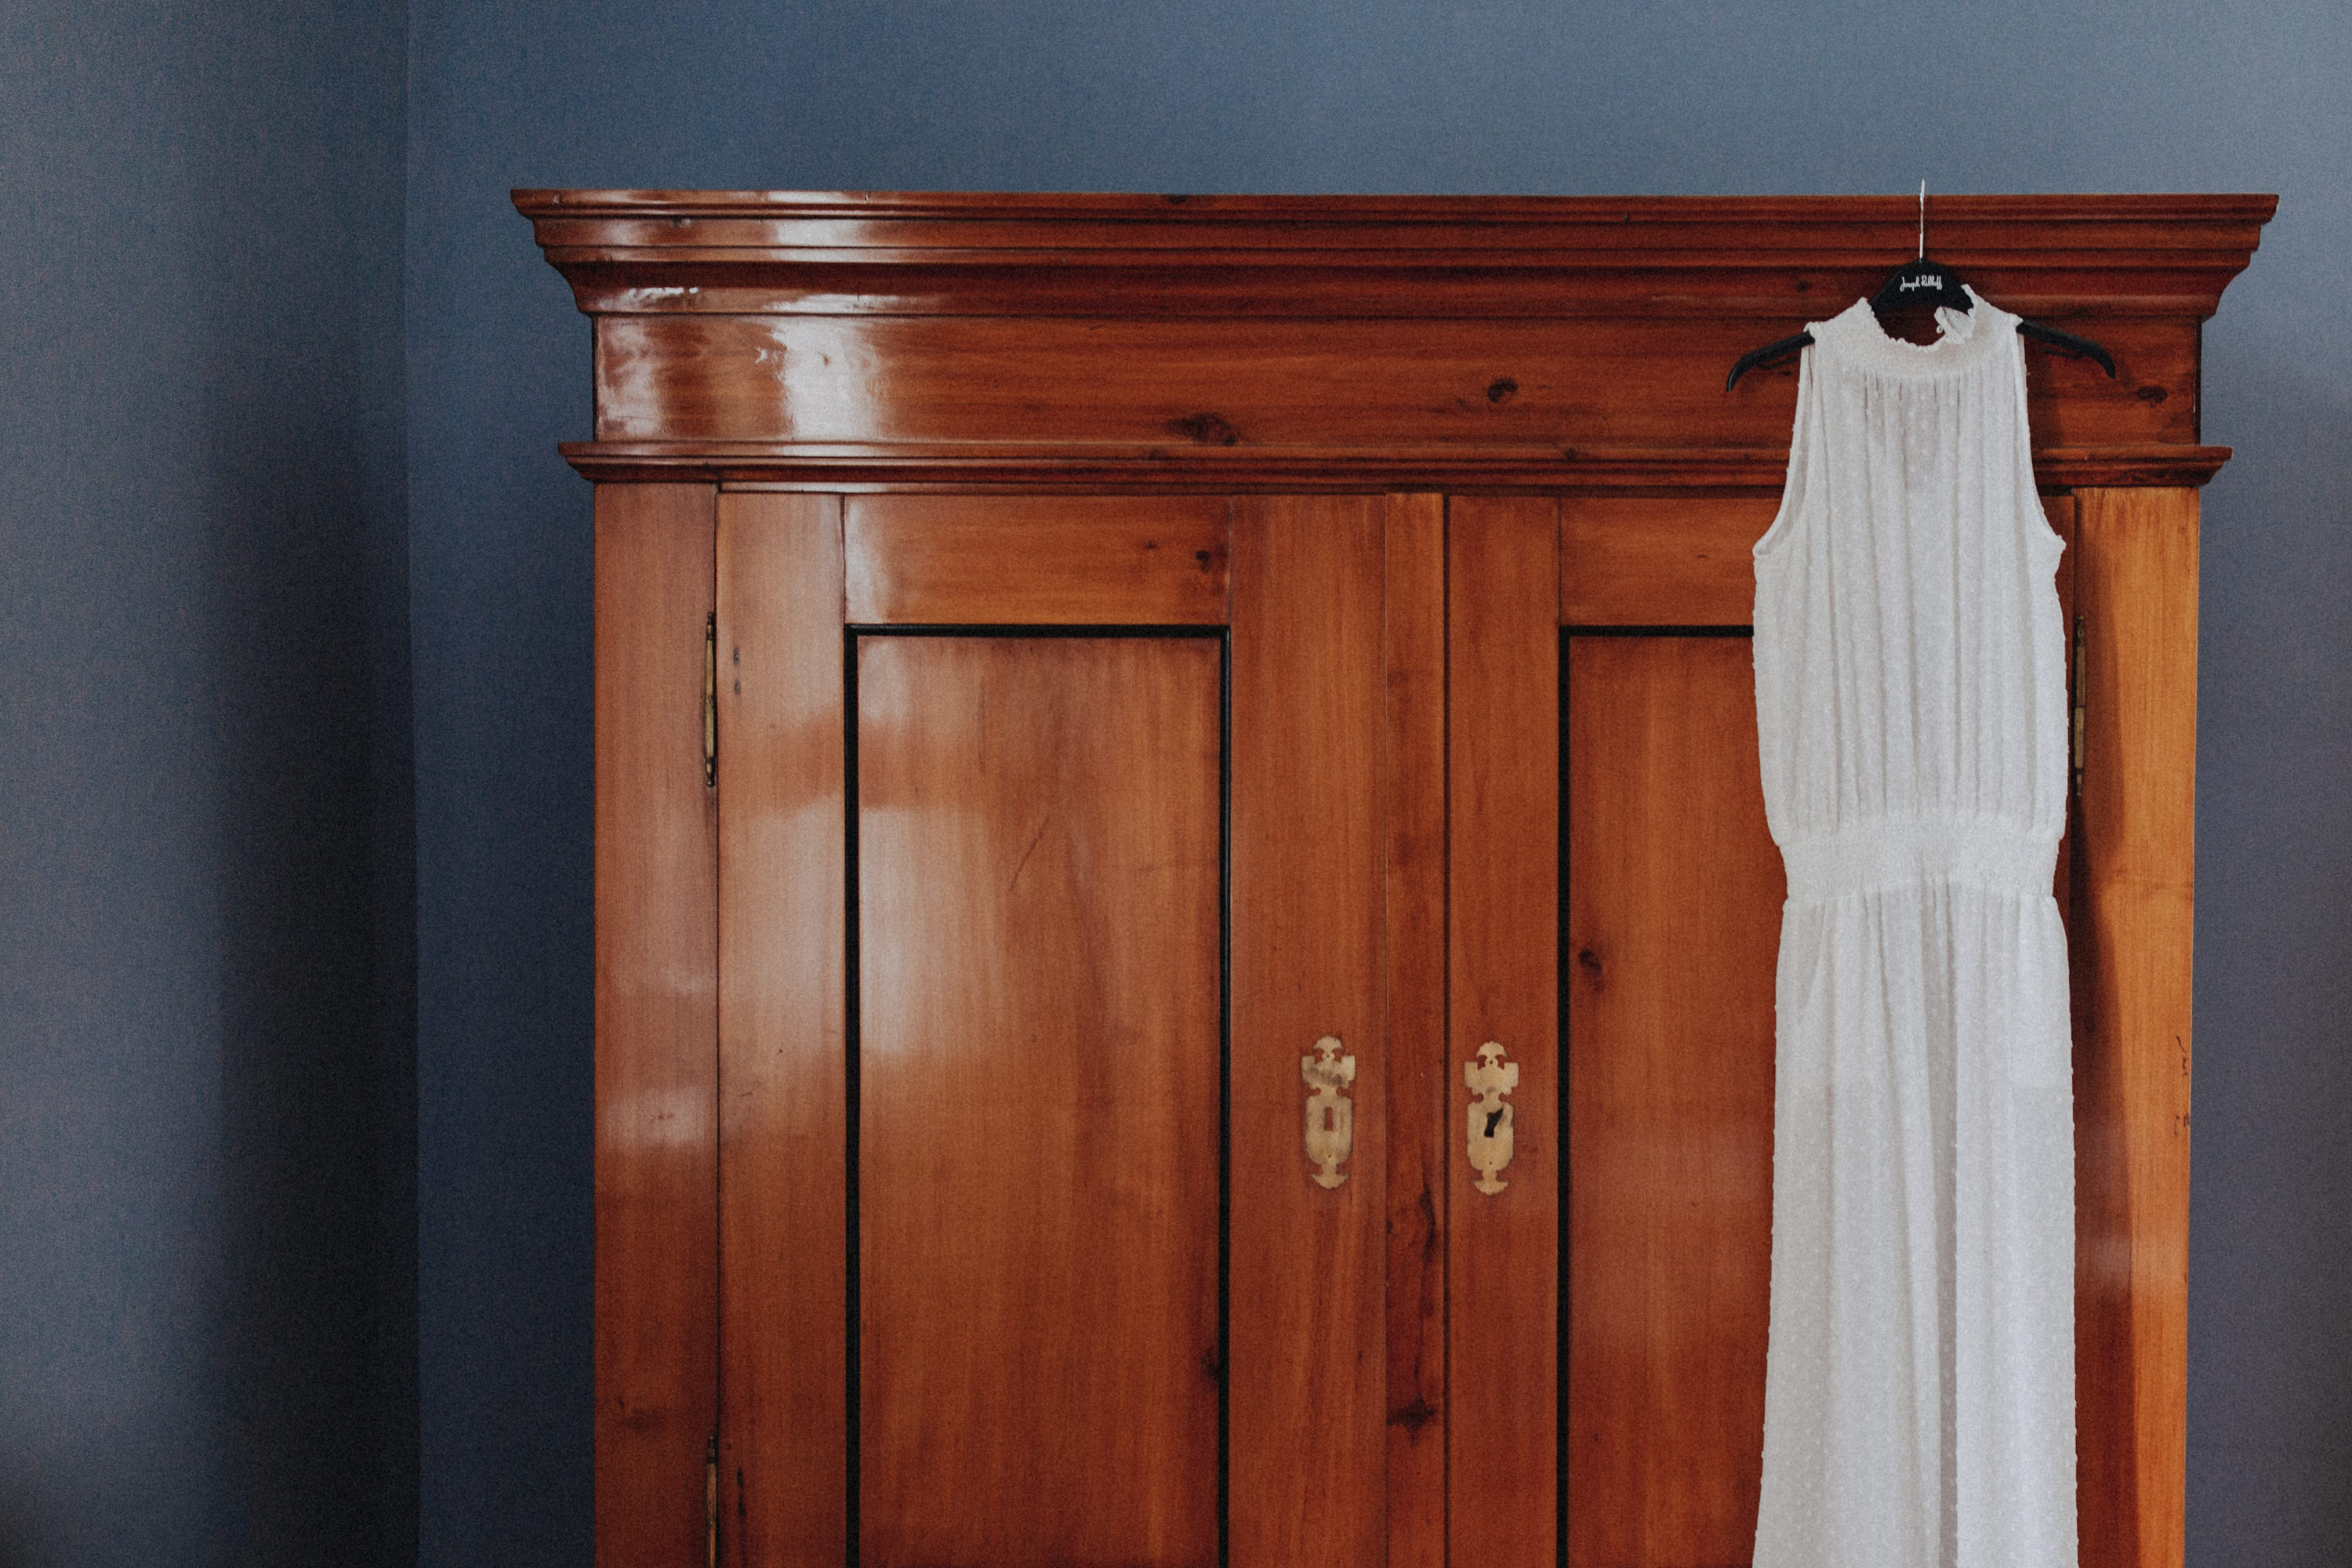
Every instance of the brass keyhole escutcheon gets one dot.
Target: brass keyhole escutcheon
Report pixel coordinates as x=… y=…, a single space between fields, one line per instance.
x=1489 y=1079
x=1330 y=1114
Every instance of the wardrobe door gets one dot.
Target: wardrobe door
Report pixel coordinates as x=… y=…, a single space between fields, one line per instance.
x=1673 y=924
x=1051 y=1027
x=1674 y=891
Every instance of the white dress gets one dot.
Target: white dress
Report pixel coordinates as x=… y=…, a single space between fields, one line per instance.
x=1911 y=710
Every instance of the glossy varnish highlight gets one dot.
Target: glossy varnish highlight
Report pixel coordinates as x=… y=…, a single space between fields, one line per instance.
x=1038 y=1184
x=657 y=1023
x=783 y=1067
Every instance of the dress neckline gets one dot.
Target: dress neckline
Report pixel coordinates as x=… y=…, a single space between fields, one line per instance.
x=1860 y=339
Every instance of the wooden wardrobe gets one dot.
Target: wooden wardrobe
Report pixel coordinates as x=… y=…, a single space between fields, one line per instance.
x=1184 y=923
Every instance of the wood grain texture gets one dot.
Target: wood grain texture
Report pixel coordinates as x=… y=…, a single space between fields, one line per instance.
x=1502 y=1253
x=656 y=1026
x=1038 y=884
x=2136 y=582
x=1309 y=1356
x=1660 y=561
x=901 y=253
x=782 y=1041
x=1040 y=467
x=1038 y=559
x=1421 y=1108
x=1674 y=907
x=859 y=340
x=1630 y=381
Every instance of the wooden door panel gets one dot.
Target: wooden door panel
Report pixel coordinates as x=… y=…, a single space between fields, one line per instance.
x=1307 y=1326
x=1502 y=954
x=1038 y=559
x=1674 y=906
x=1039 y=1048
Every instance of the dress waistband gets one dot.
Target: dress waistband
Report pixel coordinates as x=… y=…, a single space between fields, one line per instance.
x=1890 y=853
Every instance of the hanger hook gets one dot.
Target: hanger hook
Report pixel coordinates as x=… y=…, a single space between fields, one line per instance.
x=1923 y=220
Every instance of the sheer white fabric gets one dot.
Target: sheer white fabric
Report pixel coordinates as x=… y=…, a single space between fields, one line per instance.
x=1911 y=710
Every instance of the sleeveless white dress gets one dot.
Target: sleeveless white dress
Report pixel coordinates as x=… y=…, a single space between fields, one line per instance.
x=1911 y=710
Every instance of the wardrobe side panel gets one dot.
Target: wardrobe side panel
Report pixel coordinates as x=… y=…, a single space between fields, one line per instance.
x=657 y=999
x=2136 y=585
x=783 y=1139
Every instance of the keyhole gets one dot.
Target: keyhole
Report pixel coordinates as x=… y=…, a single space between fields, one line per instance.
x=1492 y=1118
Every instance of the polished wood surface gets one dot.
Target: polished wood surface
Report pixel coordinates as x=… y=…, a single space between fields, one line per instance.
x=782 y=1042
x=916 y=253
x=1673 y=926
x=999 y=411
x=1660 y=561
x=849 y=341
x=1038 y=1038
x=1299 y=384
x=1038 y=560
x=1502 y=956
x=2136 y=585
x=1308 y=1328
x=656 y=1026
x=1421 y=1072
x=1159 y=467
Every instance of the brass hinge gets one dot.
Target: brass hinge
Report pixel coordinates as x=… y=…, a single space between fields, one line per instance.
x=710 y=1500
x=2080 y=727
x=710 y=702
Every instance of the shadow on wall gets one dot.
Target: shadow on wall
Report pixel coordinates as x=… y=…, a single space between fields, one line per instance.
x=317 y=1064
x=18 y=1505
x=207 y=1113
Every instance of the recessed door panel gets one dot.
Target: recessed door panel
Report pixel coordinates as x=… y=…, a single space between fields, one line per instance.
x=1675 y=894
x=1038 y=1050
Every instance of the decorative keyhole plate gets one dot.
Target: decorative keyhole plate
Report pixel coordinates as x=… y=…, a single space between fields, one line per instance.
x=1490 y=1077
x=1330 y=1114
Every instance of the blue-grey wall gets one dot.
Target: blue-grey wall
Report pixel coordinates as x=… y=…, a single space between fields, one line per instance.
x=207 y=1242
x=294 y=1256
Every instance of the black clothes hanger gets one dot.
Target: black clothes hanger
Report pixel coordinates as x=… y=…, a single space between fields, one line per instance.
x=1925 y=283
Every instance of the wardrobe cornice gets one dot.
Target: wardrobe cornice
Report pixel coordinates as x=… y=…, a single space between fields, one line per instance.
x=848 y=340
